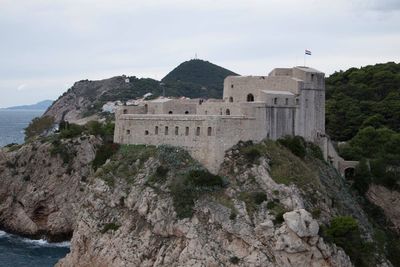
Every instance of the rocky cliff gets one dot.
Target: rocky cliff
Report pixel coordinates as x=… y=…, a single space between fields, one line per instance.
x=150 y=206
x=157 y=207
x=42 y=184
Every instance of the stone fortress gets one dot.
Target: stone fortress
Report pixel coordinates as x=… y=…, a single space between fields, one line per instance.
x=289 y=101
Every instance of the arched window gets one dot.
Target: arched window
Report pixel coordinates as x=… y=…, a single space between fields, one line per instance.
x=187 y=131
x=146 y=132
x=209 y=131
x=170 y=112
x=146 y=108
x=198 y=131
x=250 y=98
x=156 y=130
x=166 y=130
x=275 y=100
x=228 y=112
x=186 y=112
x=297 y=101
x=286 y=101
x=231 y=99
x=176 y=130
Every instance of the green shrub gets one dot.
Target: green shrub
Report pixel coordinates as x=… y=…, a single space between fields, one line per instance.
x=233 y=215
x=344 y=232
x=295 y=144
x=362 y=177
x=316 y=213
x=38 y=126
x=159 y=175
x=204 y=179
x=234 y=260
x=59 y=148
x=279 y=217
x=110 y=226
x=103 y=153
x=71 y=130
x=186 y=188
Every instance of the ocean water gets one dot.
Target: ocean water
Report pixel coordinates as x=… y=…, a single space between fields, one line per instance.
x=12 y=124
x=17 y=251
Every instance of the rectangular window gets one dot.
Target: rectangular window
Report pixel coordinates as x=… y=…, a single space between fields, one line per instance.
x=166 y=130
x=198 y=131
x=128 y=131
x=209 y=131
x=156 y=130
x=275 y=101
x=286 y=101
x=176 y=130
x=187 y=131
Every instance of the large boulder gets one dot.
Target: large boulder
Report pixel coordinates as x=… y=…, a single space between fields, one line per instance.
x=301 y=222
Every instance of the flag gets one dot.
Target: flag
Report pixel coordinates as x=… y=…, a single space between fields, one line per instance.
x=308 y=52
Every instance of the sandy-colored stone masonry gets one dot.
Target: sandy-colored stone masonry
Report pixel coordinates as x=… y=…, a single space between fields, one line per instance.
x=289 y=101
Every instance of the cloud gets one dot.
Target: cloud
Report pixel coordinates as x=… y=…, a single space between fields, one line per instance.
x=21 y=87
x=48 y=44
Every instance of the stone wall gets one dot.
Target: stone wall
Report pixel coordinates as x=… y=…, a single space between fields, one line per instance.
x=205 y=137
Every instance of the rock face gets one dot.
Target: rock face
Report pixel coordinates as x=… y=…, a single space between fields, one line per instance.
x=389 y=201
x=82 y=96
x=40 y=191
x=132 y=221
x=302 y=223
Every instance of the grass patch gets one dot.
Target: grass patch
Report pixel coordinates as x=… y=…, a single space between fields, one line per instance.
x=252 y=200
x=286 y=168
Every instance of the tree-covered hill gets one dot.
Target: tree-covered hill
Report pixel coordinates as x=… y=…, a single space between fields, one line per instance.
x=363 y=108
x=357 y=98
x=197 y=77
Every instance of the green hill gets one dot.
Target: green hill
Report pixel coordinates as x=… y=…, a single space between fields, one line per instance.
x=357 y=98
x=196 y=78
x=363 y=108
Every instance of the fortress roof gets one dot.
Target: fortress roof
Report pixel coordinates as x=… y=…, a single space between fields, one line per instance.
x=277 y=92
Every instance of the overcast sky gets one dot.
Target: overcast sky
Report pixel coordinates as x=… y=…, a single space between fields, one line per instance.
x=47 y=45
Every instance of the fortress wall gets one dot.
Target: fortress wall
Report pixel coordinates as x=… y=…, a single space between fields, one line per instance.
x=207 y=149
x=242 y=86
x=176 y=106
x=219 y=108
x=129 y=110
x=280 y=121
x=282 y=100
x=313 y=79
x=310 y=117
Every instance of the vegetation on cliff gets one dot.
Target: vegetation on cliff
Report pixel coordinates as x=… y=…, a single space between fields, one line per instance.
x=363 y=108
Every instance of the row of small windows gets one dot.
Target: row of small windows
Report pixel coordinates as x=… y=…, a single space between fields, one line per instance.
x=166 y=131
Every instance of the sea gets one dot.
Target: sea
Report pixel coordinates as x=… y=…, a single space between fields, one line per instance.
x=16 y=251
